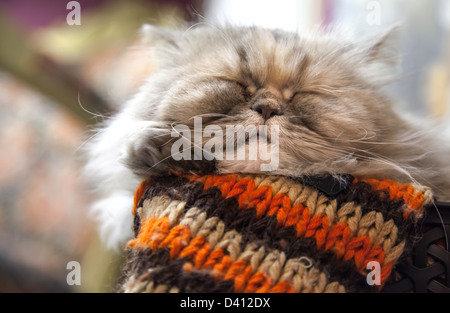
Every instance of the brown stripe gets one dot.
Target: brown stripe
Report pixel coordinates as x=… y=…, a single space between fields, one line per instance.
x=153 y=271
x=263 y=230
x=205 y=244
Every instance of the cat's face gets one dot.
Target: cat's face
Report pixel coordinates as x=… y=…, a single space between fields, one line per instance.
x=321 y=94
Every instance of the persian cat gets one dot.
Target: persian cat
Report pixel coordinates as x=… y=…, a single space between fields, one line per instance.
x=322 y=92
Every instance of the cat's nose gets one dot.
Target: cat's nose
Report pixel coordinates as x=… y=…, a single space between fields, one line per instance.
x=266 y=110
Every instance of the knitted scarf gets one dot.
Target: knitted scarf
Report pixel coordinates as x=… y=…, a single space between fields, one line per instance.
x=246 y=233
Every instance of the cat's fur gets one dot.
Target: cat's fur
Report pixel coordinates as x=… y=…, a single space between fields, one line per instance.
x=334 y=117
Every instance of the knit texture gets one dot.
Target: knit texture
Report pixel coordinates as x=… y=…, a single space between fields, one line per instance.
x=245 y=233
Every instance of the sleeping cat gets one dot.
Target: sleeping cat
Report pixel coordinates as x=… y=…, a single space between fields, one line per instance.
x=321 y=93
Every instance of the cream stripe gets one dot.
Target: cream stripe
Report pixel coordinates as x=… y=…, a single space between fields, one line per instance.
x=371 y=224
x=428 y=196
x=273 y=262
x=142 y=285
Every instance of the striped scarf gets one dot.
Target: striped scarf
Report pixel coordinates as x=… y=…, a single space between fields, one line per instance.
x=248 y=233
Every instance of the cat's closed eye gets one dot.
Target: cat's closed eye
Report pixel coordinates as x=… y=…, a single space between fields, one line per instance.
x=248 y=88
x=288 y=94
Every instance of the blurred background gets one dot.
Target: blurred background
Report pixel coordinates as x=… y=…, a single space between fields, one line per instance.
x=61 y=70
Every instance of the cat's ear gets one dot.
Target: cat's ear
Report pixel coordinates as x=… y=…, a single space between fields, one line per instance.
x=159 y=36
x=381 y=57
x=166 y=43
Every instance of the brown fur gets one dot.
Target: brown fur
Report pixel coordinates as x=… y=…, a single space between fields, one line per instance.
x=332 y=114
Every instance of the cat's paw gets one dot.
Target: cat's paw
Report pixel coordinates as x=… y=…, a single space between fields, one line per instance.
x=143 y=151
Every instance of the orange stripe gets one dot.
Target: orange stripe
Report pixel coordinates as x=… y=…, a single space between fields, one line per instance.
x=243 y=189
x=397 y=191
x=139 y=193
x=153 y=231
x=337 y=237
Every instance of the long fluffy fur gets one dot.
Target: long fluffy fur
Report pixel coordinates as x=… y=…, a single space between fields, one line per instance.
x=335 y=117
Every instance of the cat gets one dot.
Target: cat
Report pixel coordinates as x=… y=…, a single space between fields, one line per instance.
x=324 y=94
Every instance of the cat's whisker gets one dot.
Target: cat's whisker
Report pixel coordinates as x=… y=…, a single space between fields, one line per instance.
x=210 y=115
x=365 y=139
x=168 y=157
x=370 y=156
x=402 y=168
x=161 y=135
x=167 y=142
x=190 y=141
x=192 y=27
x=162 y=160
x=85 y=142
x=94 y=115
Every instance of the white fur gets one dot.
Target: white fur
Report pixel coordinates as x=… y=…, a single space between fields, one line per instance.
x=113 y=183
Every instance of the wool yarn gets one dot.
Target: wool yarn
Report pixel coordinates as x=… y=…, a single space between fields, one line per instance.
x=250 y=233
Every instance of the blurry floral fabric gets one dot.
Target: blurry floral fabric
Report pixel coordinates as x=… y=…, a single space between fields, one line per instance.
x=43 y=203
